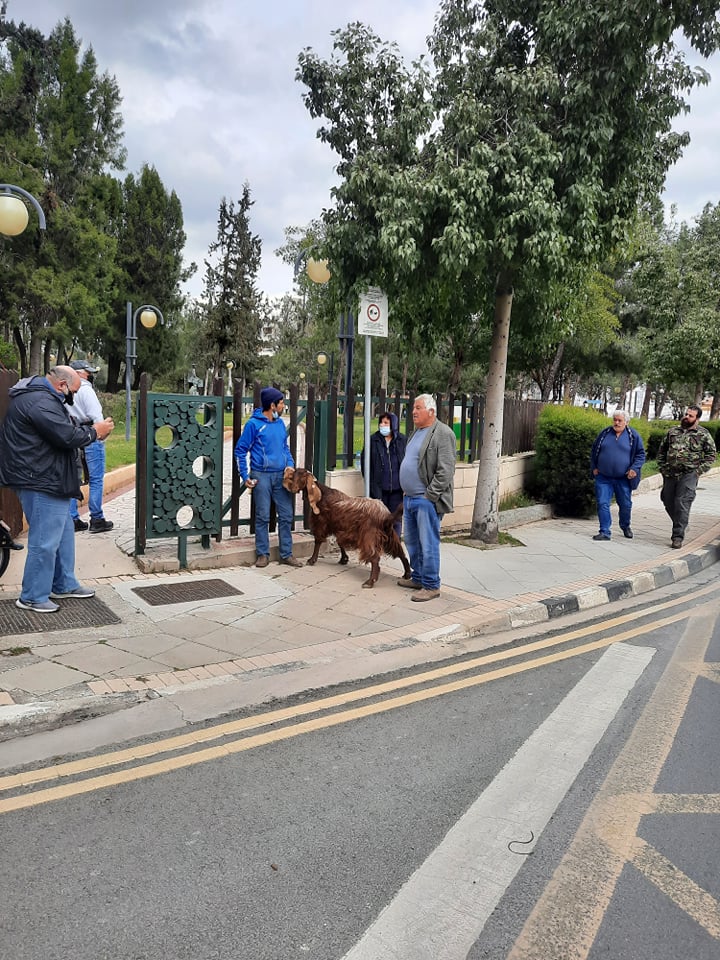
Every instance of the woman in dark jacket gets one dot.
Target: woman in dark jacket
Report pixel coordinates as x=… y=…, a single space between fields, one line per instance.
x=387 y=449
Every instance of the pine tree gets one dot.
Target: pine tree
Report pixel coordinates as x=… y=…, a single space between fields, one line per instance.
x=232 y=322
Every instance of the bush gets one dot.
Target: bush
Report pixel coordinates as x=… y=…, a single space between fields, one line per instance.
x=563 y=444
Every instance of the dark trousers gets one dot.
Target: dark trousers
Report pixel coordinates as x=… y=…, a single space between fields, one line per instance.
x=392 y=500
x=677 y=495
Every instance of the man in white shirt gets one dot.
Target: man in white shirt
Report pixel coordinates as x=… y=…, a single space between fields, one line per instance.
x=87 y=408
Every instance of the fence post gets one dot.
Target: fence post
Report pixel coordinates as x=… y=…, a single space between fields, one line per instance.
x=235 y=484
x=141 y=468
x=332 y=429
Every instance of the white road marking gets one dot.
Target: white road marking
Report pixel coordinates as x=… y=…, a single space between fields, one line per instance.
x=441 y=910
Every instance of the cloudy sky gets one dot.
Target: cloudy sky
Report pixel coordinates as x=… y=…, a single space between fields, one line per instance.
x=210 y=99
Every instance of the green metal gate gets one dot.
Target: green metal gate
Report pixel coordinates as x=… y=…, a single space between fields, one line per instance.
x=179 y=480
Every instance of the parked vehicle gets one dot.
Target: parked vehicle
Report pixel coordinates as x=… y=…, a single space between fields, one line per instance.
x=6 y=545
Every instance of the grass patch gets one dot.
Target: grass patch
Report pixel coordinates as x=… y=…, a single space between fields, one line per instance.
x=516 y=501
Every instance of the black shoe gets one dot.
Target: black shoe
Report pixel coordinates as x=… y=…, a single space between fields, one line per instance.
x=676 y=543
x=628 y=532
x=601 y=536
x=79 y=524
x=101 y=526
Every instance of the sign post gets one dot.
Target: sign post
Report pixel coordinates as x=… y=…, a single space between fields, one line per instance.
x=372 y=322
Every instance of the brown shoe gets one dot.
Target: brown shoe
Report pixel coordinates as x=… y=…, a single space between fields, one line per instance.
x=424 y=594
x=291 y=561
x=262 y=561
x=410 y=584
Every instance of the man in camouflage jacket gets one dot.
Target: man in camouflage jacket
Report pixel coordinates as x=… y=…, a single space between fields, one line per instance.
x=685 y=453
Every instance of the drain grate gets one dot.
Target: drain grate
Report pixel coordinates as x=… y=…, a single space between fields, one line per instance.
x=73 y=614
x=189 y=592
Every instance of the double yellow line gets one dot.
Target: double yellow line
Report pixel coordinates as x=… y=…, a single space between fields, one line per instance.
x=325 y=720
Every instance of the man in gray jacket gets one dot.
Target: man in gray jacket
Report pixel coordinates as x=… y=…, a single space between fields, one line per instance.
x=427 y=477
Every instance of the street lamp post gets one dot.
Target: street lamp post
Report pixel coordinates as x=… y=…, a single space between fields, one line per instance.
x=13 y=211
x=148 y=318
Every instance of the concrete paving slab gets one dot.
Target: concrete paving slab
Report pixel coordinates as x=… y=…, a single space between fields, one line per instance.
x=43 y=677
x=189 y=654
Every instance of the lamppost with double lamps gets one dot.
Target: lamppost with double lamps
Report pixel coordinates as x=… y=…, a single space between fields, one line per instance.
x=148 y=318
x=13 y=211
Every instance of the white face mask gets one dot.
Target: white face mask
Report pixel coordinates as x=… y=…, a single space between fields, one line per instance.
x=385 y=431
x=275 y=414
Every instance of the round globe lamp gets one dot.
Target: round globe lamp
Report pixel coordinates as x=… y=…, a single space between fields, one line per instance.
x=148 y=318
x=317 y=270
x=13 y=215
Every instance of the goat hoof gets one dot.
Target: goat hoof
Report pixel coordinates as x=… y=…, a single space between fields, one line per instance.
x=369 y=583
x=310 y=562
x=343 y=561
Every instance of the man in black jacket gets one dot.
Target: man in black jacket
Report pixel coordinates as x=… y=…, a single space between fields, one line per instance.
x=38 y=460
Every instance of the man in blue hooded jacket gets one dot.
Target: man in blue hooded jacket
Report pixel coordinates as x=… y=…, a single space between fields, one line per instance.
x=264 y=440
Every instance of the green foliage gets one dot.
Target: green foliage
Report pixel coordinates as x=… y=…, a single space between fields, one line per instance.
x=232 y=308
x=8 y=354
x=656 y=434
x=564 y=439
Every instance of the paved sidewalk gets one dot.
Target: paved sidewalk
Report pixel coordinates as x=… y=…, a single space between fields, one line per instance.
x=282 y=620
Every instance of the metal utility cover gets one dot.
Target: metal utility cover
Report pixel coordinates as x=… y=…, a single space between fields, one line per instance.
x=73 y=614
x=189 y=591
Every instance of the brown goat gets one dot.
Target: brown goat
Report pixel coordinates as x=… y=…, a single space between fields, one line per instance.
x=357 y=523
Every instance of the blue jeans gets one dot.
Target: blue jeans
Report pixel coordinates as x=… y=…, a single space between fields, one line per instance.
x=269 y=490
x=422 y=540
x=605 y=487
x=95 y=458
x=50 y=561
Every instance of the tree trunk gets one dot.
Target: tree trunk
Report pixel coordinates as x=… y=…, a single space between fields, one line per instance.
x=113 y=373
x=715 y=408
x=547 y=385
x=22 y=352
x=645 y=412
x=36 y=354
x=384 y=372
x=485 y=512
x=698 y=392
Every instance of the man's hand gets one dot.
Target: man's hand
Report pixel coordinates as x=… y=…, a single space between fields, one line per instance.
x=250 y=484
x=103 y=428
x=631 y=474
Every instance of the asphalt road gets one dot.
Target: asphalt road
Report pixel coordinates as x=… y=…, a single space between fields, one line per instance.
x=556 y=798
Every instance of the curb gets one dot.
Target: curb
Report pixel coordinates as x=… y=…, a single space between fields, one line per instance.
x=550 y=608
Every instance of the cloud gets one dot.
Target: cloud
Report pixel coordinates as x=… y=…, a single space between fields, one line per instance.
x=210 y=99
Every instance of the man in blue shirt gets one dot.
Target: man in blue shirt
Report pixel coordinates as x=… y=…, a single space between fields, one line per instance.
x=264 y=439
x=616 y=460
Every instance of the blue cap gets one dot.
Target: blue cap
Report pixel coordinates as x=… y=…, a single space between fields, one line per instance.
x=268 y=396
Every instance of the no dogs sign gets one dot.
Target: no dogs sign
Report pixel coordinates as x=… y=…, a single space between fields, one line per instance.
x=373 y=313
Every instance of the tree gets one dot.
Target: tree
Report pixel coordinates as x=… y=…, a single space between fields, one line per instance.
x=232 y=321
x=60 y=127
x=151 y=240
x=542 y=144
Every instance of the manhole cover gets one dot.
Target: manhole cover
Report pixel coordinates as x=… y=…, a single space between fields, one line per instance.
x=71 y=615
x=188 y=592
